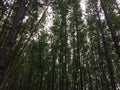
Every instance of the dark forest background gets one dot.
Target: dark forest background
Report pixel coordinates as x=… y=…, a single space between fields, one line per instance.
x=59 y=45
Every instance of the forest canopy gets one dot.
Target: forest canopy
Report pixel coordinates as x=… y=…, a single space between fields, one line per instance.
x=59 y=45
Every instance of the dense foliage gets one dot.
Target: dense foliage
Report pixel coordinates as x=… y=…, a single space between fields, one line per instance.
x=59 y=45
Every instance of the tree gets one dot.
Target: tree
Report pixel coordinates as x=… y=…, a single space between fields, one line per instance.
x=58 y=45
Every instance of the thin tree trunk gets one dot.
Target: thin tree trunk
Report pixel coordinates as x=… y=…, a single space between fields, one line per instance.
x=111 y=29
x=3 y=33
x=104 y=81
x=4 y=54
x=53 y=58
x=40 y=66
x=107 y=56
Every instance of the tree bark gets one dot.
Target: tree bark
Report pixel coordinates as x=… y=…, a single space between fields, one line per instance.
x=5 y=52
x=111 y=29
x=107 y=56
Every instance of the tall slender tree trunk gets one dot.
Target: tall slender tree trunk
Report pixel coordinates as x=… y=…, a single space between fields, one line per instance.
x=61 y=82
x=103 y=76
x=107 y=56
x=104 y=81
x=78 y=54
x=110 y=28
x=53 y=59
x=5 y=52
x=3 y=33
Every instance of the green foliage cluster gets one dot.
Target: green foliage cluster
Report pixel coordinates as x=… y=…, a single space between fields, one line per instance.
x=80 y=51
